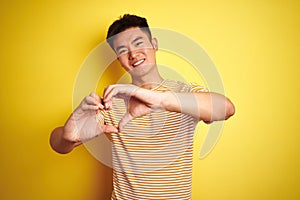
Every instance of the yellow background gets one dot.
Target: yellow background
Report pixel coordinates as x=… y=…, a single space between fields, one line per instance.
x=255 y=46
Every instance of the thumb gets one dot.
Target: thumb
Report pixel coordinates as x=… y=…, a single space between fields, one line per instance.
x=126 y=118
x=109 y=129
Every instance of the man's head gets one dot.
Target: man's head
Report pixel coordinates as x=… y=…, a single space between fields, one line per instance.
x=125 y=22
x=135 y=48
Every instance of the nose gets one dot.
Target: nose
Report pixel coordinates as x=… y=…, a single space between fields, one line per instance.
x=133 y=53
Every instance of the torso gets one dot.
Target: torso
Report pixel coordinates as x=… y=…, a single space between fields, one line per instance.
x=152 y=157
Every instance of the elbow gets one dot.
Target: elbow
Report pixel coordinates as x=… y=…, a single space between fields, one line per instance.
x=230 y=109
x=54 y=143
x=221 y=109
x=58 y=143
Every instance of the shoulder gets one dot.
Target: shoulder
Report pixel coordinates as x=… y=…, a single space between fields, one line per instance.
x=197 y=88
x=178 y=86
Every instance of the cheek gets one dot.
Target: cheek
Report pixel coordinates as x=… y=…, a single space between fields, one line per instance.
x=151 y=54
x=122 y=60
x=124 y=63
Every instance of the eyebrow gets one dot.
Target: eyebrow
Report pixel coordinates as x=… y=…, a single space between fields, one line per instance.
x=120 y=47
x=136 y=39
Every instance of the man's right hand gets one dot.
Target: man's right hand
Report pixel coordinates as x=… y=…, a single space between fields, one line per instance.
x=81 y=126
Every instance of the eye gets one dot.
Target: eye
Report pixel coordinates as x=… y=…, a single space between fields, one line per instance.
x=139 y=43
x=122 y=51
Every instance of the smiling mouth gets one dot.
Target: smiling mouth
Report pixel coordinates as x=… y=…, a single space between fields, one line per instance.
x=137 y=63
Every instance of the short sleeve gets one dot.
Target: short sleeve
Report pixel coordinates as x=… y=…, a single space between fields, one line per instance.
x=197 y=88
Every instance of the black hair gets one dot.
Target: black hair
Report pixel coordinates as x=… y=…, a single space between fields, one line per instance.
x=124 y=22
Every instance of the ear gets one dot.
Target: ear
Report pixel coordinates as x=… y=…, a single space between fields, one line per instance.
x=154 y=43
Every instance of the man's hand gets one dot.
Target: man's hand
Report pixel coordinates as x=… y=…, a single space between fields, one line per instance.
x=139 y=101
x=82 y=124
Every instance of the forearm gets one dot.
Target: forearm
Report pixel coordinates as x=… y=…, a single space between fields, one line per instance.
x=59 y=143
x=205 y=106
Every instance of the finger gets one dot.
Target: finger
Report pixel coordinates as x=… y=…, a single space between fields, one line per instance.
x=91 y=100
x=117 y=90
x=107 y=97
x=89 y=107
x=108 y=105
x=95 y=96
x=94 y=100
x=126 y=118
x=108 y=89
x=109 y=93
x=109 y=129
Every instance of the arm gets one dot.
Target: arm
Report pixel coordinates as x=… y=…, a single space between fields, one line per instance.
x=204 y=106
x=81 y=126
x=59 y=143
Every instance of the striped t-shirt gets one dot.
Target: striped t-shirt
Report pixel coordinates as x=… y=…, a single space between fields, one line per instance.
x=152 y=156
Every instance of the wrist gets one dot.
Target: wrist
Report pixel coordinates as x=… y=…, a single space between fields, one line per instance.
x=165 y=100
x=69 y=142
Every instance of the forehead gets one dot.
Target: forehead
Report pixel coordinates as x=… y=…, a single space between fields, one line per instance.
x=128 y=36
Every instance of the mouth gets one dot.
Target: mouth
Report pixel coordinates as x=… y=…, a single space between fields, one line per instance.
x=138 y=63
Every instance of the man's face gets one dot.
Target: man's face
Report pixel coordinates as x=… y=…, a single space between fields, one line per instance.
x=135 y=51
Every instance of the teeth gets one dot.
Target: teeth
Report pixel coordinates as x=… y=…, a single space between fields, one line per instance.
x=138 y=62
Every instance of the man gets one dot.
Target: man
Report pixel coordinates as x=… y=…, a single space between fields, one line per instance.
x=151 y=121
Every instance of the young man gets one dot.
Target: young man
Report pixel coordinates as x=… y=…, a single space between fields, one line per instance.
x=151 y=121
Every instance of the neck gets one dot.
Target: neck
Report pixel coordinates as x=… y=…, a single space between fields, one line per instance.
x=149 y=81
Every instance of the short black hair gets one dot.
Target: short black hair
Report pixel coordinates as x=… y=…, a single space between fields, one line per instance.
x=124 y=22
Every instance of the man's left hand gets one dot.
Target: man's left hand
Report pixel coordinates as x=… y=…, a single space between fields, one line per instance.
x=139 y=101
